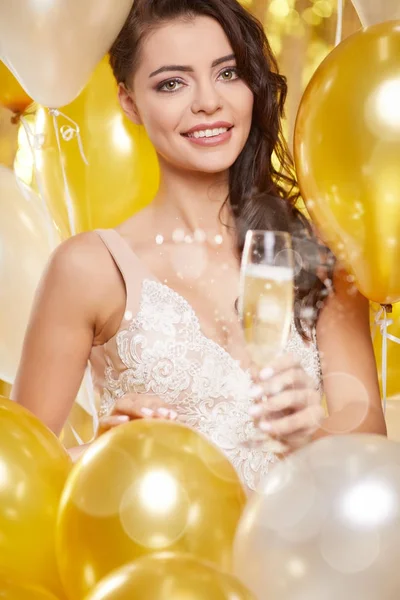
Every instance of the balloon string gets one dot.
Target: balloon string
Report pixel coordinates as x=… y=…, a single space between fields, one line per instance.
x=339 y=24
x=68 y=197
x=37 y=142
x=383 y=324
x=67 y=133
x=88 y=385
x=92 y=401
x=76 y=435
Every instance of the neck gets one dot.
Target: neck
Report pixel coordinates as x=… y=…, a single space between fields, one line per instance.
x=192 y=200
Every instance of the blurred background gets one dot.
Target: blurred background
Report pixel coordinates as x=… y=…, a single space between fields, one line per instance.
x=302 y=33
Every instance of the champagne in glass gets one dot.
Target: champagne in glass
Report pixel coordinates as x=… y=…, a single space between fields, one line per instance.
x=266 y=294
x=267 y=310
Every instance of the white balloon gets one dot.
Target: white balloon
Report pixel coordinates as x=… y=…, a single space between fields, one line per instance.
x=325 y=524
x=372 y=12
x=52 y=46
x=24 y=251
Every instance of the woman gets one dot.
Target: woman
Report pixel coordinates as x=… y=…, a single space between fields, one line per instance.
x=201 y=78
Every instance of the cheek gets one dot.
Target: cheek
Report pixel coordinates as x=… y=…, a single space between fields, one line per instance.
x=160 y=119
x=246 y=105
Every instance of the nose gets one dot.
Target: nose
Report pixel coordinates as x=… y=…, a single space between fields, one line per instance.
x=206 y=98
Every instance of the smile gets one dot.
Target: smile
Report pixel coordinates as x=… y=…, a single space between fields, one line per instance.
x=209 y=136
x=207 y=132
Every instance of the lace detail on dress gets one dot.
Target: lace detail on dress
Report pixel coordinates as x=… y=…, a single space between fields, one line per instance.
x=165 y=353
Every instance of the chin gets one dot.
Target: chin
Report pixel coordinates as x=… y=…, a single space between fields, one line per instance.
x=212 y=164
x=212 y=169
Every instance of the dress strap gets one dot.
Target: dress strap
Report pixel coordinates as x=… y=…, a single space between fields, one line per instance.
x=129 y=265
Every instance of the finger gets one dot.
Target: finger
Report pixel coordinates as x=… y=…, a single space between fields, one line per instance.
x=166 y=413
x=107 y=423
x=137 y=407
x=292 y=400
x=292 y=379
x=144 y=412
x=299 y=439
x=308 y=419
x=280 y=364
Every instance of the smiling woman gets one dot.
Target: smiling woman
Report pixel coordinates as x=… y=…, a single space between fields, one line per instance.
x=152 y=304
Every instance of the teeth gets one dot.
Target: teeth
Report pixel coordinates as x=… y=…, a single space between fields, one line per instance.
x=208 y=132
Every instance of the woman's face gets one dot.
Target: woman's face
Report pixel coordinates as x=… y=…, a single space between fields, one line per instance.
x=188 y=95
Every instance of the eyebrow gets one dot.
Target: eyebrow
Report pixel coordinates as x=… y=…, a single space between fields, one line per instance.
x=188 y=69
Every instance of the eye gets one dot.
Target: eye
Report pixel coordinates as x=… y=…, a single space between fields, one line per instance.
x=229 y=74
x=169 y=86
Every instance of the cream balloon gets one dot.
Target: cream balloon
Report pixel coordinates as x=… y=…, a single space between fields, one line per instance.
x=392 y=417
x=372 y=12
x=325 y=524
x=52 y=46
x=24 y=250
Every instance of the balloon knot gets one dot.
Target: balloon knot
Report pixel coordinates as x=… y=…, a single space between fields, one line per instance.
x=15 y=119
x=388 y=308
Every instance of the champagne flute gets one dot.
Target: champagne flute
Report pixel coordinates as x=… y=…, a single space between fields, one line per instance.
x=266 y=300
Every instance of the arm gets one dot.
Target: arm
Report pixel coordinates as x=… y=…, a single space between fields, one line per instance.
x=61 y=331
x=348 y=364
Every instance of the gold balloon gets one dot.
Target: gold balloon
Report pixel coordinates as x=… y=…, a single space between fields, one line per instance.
x=5 y=389
x=347 y=151
x=8 y=137
x=12 y=95
x=122 y=174
x=148 y=486
x=169 y=577
x=33 y=470
x=14 y=591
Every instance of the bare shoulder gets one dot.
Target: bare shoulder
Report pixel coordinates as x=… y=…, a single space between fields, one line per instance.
x=82 y=272
x=78 y=254
x=83 y=258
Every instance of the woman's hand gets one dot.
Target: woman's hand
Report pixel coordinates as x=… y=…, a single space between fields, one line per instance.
x=136 y=406
x=287 y=404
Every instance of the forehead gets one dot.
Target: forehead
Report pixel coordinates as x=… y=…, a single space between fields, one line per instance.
x=195 y=42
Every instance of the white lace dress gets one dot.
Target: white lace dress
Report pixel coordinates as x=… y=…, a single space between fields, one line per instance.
x=162 y=351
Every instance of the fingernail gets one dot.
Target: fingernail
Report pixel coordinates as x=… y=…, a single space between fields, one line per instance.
x=163 y=412
x=122 y=418
x=265 y=426
x=147 y=412
x=255 y=410
x=256 y=391
x=266 y=373
x=173 y=415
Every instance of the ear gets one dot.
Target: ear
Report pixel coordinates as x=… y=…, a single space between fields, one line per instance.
x=128 y=104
